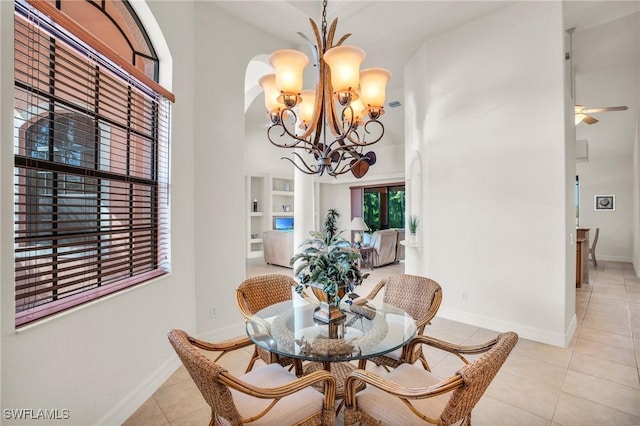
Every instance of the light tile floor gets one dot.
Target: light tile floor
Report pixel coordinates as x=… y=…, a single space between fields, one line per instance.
x=595 y=381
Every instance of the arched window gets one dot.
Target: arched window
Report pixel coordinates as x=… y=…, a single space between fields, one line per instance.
x=91 y=155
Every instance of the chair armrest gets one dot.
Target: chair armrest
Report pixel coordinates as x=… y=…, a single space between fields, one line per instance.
x=224 y=347
x=374 y=292
x=288 y=389
x=433 y=310
x=351 y=386
x=458 y=350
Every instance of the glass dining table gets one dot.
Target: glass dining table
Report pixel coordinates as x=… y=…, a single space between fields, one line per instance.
x=369 y=328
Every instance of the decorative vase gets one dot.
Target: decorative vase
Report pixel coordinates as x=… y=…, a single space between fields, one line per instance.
x=328 y=312
x=412 y=239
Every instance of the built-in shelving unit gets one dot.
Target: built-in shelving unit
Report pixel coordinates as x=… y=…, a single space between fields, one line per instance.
x=256 y=202
x=281 y=189
x=274 y=197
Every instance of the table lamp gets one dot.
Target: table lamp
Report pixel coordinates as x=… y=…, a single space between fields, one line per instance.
x=358 y=225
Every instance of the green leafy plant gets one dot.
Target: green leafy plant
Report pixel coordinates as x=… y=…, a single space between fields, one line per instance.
x=413 y=224
x=328 y=262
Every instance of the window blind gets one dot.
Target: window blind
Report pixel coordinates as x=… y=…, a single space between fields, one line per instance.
x=91 y=172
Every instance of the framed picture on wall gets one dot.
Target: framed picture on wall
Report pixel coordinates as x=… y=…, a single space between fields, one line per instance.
x=605 y=202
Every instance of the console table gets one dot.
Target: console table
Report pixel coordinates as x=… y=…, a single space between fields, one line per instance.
x=582 y=256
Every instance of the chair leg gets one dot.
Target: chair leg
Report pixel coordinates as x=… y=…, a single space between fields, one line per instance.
x=424 y=362
x=253 y=359
x=595 y=262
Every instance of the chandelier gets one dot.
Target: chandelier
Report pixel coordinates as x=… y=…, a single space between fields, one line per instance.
x=327 y=123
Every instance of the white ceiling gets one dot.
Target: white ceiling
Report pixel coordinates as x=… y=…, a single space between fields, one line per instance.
x=391 y=31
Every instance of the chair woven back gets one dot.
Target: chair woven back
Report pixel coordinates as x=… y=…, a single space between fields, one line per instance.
x=477 y=375
x=205 y=373
x=265 y=290
x=414 y=295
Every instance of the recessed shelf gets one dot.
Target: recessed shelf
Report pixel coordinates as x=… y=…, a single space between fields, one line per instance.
x=283 y=214
x=283 y=193
x=412 y=245
x=255 y=240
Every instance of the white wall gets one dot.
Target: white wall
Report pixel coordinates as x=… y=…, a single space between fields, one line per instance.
x=101 y=361
x=485 y=108
x=218 y=74
x=606 y=58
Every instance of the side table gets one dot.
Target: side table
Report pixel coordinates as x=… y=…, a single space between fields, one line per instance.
x=369 y=255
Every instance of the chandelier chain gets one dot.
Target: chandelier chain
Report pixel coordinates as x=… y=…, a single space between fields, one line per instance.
x=324 y=23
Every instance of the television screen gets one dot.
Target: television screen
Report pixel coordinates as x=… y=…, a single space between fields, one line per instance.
x=283 y=223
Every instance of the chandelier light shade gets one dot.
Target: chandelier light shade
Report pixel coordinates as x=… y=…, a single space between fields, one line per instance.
x=305 y=112
x=344 y=63
x=373 y=82
x=289 y=65
x=271 y=93
x=328 y=129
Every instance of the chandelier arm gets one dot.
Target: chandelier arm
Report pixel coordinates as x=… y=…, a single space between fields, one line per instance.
x=306 y=144
x=330 y=108
x=343 y=38
x=332 y=32
x=315 y=50
x=309 y=170
x=364 y=143
x=345 y=169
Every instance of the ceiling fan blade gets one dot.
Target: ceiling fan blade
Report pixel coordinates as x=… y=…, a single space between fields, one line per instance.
x=589 y=120
x=604 y=109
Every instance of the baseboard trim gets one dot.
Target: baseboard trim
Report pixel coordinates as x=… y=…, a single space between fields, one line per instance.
x=614 y=258
x=524 y=331
x=123 y=410
x=219 y=334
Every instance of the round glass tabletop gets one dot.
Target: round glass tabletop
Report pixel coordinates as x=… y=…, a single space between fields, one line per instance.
x=368 y=329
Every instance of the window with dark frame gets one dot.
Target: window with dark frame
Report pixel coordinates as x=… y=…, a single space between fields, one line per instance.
x=91 y=159
x=384 y=206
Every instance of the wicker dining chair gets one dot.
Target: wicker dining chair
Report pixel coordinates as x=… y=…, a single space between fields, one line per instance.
x=269 y=395
x=420 y=297
x=409 y=395
x=256 y=293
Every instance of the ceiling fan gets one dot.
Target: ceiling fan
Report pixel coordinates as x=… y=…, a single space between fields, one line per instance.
x=583 y=117
x=580 y=110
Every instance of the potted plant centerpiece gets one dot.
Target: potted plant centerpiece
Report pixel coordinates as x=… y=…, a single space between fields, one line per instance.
x=329 y=266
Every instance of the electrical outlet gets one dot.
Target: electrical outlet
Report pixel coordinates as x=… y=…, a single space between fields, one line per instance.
x=213 y=311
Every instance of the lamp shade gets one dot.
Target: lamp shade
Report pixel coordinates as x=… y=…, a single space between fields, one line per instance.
x=344 y=62
x=357 y=224
x=288 y=65
x=305 y=113
x=357 y=111
x=268 y=84
x=373 y=82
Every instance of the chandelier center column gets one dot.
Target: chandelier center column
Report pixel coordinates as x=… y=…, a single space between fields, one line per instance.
x=304 y=208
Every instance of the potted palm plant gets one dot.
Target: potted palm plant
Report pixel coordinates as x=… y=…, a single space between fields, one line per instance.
x=329 y=266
